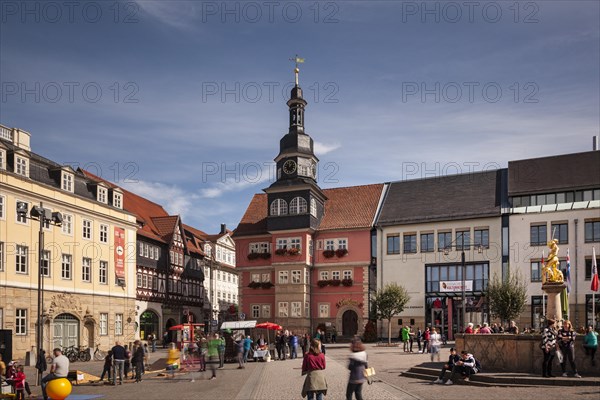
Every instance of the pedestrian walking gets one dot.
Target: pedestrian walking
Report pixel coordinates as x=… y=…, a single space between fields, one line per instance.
x=293 y=346
x=356 y=365
x=221 y=349
x=119 y=357
x=173 y=360
x=19 y=383
x=566 y=344
x=247 y=346
x=213 y=355
x=313 y=366
x=108 y=359
x=203 y=348
x=138 y=360
x=426 y=337
x=435 y=342
x=590 y=344
x=411 y=338
x=152 y=340
x=548 y=346
x=239 y=344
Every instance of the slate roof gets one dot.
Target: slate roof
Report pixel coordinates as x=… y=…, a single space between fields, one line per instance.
x=444 y=198
x=554 y=174
x=346 y=208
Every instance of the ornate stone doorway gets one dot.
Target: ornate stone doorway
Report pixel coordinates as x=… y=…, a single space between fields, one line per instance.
x=66 y=330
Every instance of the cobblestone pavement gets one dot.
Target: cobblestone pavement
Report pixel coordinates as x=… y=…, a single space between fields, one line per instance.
x=282 y=380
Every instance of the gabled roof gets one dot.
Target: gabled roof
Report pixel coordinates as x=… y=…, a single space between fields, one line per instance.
x=194 y=238
x=346 y=208
x=444 y=198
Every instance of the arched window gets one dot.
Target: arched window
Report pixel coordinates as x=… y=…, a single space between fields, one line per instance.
x=298 y=206
x=279 y=207
x=313 y=207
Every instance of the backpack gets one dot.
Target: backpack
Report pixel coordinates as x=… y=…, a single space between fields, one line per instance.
x=478 y=367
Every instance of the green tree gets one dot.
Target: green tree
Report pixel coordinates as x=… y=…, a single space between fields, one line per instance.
x=390 y=301
x=507 y=297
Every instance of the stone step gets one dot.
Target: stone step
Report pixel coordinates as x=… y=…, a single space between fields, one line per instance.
x=504 y=379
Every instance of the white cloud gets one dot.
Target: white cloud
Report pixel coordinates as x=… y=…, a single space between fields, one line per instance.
x=323 y=148
x=237 y=184
x=173 y=198
x=177 y=14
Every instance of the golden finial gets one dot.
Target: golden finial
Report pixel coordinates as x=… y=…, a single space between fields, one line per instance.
x=297 y=60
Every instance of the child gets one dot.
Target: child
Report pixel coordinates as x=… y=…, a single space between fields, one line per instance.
x=19 y=382
x=107 y=366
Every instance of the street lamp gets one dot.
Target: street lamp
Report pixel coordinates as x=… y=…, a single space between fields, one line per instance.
x=45 y=216
x=463 y=266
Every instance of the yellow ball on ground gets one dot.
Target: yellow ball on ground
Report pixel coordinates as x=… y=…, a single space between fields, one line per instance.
x=59 y=389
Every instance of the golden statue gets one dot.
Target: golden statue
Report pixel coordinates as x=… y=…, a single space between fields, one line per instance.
x=550 y=271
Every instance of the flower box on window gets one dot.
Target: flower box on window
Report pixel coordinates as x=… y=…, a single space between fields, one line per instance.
x=322 y=283
x=253 y=256
x=265 y=256
x=280 y=252
x=267 y=285
x=328 y=253
x=347 y=282
x=254 y=285
x=335 y=282
x=341 y=252
x=293 y=251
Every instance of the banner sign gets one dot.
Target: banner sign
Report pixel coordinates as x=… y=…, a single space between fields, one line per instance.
x=455 y=286
x=120 y=253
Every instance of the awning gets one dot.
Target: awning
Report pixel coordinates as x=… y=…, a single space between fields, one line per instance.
x=238 y=324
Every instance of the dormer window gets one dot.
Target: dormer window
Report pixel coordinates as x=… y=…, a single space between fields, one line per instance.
x=102 y=195
x=21 y=166
x=2 y=159
x=117 y=200
x=279 y=207
x=67 y=181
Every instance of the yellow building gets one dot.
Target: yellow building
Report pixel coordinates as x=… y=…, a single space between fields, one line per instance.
x=88 y=263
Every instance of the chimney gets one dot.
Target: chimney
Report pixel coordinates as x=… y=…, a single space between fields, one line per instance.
x=223 y=229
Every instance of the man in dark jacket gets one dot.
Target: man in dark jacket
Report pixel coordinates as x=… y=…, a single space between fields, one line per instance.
x=452 y=360
x=138 y=360
x=118 y=352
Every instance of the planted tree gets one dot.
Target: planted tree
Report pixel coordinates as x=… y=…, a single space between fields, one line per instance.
x=507 y=297
x=390 y=301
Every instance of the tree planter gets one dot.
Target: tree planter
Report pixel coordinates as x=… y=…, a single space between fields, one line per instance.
x=335 y=282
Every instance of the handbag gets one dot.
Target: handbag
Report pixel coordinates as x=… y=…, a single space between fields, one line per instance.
x=369 y=373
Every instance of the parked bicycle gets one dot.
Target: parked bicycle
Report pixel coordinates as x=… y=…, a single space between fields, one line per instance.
x=71 y=353
x=99 y=355
x=83 y=354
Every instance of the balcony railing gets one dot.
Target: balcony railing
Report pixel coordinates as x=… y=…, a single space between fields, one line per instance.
x=6 y=133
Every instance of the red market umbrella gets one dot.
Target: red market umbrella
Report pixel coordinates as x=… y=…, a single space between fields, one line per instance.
x=176 y=328
x=269 y=326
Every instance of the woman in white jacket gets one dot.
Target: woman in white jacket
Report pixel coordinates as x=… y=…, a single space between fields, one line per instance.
x=435 y=342
x=357 y=365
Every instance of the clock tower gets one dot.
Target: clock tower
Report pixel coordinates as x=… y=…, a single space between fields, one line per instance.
x=295 y=200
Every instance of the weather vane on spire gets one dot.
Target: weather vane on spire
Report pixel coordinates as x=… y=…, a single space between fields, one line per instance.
x=297 y=60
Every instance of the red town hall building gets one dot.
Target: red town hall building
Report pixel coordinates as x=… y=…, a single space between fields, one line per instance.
x=303 y=253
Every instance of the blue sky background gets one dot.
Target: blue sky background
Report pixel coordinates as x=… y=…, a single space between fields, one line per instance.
x=165 y=134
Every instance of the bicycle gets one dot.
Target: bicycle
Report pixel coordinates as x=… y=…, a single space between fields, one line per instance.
x=71 y=353
x=99 y=355
x=83 y=354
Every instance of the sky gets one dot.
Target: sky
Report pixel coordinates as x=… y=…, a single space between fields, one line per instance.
x=184 y=102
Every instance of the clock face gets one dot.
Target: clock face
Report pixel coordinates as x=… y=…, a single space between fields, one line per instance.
x=289 y=167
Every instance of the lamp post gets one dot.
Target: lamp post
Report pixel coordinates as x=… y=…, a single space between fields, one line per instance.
x=463 y=269
x=39 y=213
